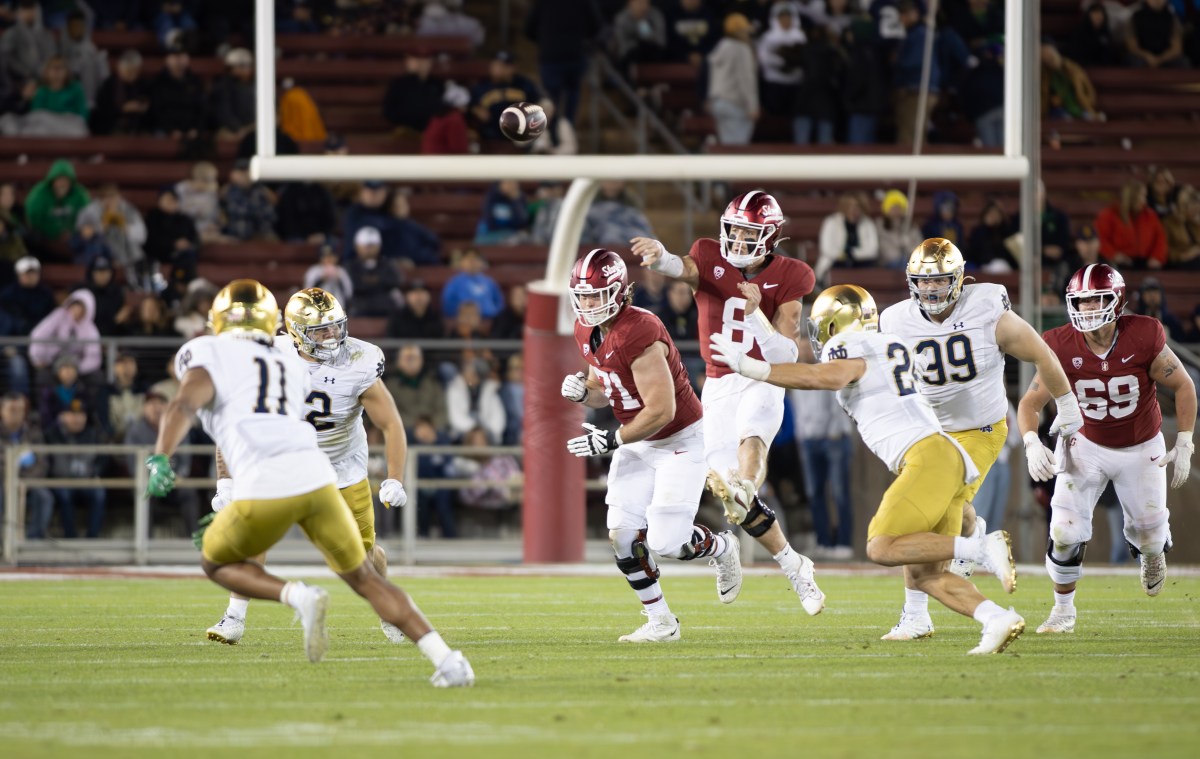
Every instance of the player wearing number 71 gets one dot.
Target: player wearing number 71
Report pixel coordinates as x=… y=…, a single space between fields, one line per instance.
x=918 y=521
x=1113 y=362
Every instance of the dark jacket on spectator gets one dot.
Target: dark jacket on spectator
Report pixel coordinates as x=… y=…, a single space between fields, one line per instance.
x=404 y=323
x=27 y=305
x=374 y=287
x=412 y=101
x=163 y=229
x=1089 y=46
x=865 y=91
x=108 y=117
x=177 y=104
x=305 y=208
x=691 y=31
x=562 y=30
x=110 y=299
x=232 y=103
x=405 y=238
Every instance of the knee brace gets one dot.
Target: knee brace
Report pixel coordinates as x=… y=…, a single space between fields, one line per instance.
x=1065 y=571
x=759 y=519
x=1135 y=552
x=634 y=558
x=702 y=544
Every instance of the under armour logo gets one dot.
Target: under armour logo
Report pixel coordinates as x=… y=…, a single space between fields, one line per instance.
x=960 y=325
x=331 y=380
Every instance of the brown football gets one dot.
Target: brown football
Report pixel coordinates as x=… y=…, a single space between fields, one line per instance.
x=523 y=122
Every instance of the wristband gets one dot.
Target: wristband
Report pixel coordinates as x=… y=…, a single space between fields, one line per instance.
x=668 y=263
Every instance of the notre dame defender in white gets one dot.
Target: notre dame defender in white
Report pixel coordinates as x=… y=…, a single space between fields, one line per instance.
x=249 y=396
x=920 y=516
x=958 y=335
x=346 y=379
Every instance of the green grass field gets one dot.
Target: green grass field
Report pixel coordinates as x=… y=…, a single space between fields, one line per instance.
x=119 y=667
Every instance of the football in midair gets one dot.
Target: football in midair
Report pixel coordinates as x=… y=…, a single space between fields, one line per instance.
x=523 y=122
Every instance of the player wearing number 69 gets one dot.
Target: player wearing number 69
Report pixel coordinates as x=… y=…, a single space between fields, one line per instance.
x=958 y=335
x=657 y=472
x=249 y=397
x=918 y=521
x=750 y=294
x=1114 y=362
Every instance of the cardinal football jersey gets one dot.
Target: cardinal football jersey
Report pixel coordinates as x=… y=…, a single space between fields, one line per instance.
x=719 y=301
x=963 y=375
x=1118 y=399
x=611 y=356
x=256 y=416
x=891 y=415
x=333 y=405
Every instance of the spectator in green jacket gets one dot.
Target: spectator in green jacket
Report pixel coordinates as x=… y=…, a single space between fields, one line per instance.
x=58 y=92
x=54 y=202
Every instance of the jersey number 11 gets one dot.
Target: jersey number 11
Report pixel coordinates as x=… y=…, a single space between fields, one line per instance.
x=264 y=386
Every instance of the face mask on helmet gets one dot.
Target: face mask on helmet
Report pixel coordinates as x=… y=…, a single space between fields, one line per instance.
x=594 y=306
x=321 y=341
x=1091 y=310
x=743 y=243
x=936 y=292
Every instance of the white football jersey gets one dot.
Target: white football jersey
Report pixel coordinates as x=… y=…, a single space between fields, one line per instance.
x=891 y=415
x=960 y=367
x=333 y=407
x=256 y=416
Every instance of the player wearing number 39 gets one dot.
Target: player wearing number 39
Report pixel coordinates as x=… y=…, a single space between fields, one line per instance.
x=918 y=521
x=657 y=472
x=346 y=380
x=958 y=335
x=1114 y=362
x=249 y=396
x=750 y=294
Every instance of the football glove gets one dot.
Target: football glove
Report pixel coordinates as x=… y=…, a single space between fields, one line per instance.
x=595 y=442
x=201 y=526
x=574 y=387
x=162 y=477
x=1181 y=454
x=1069 y=419
x=726 y=351
x=1039 y=457
x=224 y=495
x=391 y=492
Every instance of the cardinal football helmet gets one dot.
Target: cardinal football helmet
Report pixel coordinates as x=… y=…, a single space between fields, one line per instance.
x=839 y=309
x=600 y=272
x=750 y=228
x=316 y=323
x=1095 y=281
x=936 y=258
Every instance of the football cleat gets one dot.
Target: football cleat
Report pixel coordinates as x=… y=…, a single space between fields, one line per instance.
x=454 y=672
x=998 y=559
x=732 y=494
x=804 y=582
x=311 y=613
x=729 y=569
x=391 y=632
x=659 y=628
x=999 y=631
x=911 y=627
x=1154 y=573
x=1058 y=622
x=228 y=631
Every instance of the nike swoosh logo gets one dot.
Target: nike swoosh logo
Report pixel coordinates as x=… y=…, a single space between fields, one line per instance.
x=768 y=287
x=1154 y=458
x=679 y=452
x=1127 y=359
x=609 y=354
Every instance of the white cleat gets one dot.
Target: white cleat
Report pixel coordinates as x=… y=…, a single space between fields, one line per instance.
x=1154 y=573
x=391 y=632
x=998 y=559
x=228 y=631
x=1058 y=622
x=729 y=569
x=804 y=582
x=999 y=631
x=911 y=627
x=454 y=672
x=731 y=493
x=660 y=628
x=312 y=613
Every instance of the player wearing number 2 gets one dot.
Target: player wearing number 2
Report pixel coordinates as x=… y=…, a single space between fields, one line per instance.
x=657 y=470
x=1113 y=362
x=958 y=335
x=752 y=296
x=346 y=380
x=249 y=396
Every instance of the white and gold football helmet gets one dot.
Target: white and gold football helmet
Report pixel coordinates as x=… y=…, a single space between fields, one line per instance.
x=935 y=274
x=316 y=323
x=840 y=309
x=244 y=306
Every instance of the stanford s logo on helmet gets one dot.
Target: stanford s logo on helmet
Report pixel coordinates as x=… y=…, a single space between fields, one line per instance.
x=750 y=228
x=1095 y=281
x=599 y=273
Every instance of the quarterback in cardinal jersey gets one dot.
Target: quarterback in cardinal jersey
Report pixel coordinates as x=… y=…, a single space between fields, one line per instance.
x=1114 y=363
x=751 y=295
x=657 y=472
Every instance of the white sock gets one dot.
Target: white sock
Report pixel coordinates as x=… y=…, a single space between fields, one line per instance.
x=658 y=607
x=720 y=545
x=915 y=601
x=967 y=548
x=434 y=648
x=1064 y=601
x=293 y=593
x=237 y=608
x=789 y=560
x=985 y=611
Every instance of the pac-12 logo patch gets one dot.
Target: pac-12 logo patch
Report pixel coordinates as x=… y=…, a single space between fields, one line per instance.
x=1077 y=362
x=718 y=271
x=587 y=349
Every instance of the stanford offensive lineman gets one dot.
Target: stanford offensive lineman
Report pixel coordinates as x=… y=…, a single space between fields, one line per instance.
x=657 y=471
x=752 y=296
x=1113 y=363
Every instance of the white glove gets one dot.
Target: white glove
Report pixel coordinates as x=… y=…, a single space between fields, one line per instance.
x=1039 y=457
x=726 y=351
x=595 y=442
x=391 y=492
x=574 y=387
x=1069 y=419
x=1181 y=454
x=224 y=494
